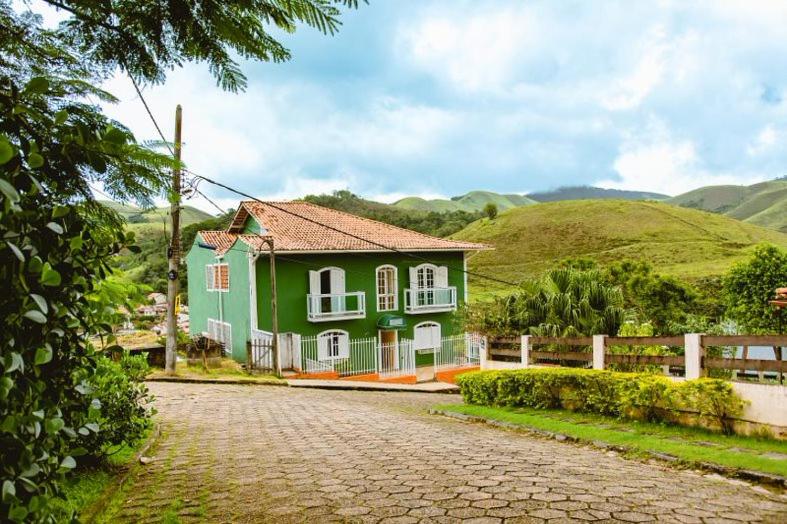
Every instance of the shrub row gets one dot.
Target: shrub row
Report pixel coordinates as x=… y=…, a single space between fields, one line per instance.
x=640 y=396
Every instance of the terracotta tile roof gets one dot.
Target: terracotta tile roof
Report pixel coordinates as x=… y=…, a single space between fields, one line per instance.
x=296 y=226
x=220 y=239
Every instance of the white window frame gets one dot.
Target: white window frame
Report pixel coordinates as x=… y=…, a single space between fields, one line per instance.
x=342 y=344
x=434 y=342
x=210 y=277
x=392 y=292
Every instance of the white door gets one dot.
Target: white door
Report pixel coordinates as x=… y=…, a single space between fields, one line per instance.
x=427 y=336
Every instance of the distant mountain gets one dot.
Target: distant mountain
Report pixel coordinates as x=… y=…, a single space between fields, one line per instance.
x=763 y=204
x=686 y=243
x=470 y=202
x=591 y=193
x=135 y=215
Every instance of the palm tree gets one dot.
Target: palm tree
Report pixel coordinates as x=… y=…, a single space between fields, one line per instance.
x=565 y=302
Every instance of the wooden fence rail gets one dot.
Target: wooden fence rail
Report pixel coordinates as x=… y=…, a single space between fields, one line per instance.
x=693 y=361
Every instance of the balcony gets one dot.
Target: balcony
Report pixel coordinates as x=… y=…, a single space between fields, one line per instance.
x=336 y=306
x=429 y=300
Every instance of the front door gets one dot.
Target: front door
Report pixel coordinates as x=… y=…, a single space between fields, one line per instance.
x=389 y=354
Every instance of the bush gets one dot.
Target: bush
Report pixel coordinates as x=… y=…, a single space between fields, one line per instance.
x=714 y=399
x=117 y=389
x=640 y=396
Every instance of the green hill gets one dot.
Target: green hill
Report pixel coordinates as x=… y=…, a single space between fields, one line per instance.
x=763 y=204
x=687 y=243
x=590 y=192
x=135 y=215
x=470 y=202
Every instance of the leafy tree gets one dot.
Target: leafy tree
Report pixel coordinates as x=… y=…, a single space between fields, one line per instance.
x=490 y=210
x=749 y=285
x=55 y=241
x=431 y=223
x=565 y=302
x=663 y=301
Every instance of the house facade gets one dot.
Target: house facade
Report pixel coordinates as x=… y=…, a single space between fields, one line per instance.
x=353 y=295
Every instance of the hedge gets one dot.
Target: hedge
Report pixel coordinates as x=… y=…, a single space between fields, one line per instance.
x=639 y=396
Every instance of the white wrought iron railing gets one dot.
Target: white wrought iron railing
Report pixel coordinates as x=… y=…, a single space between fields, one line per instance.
x=358 y=357
x=458 y=351
x=220 y=332
x=335 y=306
x=396 y=359
x=429 y=300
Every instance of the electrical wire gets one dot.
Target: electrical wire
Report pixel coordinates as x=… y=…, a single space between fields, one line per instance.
x=308 y=219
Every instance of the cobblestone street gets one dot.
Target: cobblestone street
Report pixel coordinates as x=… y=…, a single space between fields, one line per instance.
x=275 y=454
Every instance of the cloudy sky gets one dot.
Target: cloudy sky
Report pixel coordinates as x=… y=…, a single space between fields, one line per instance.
x=439 y=97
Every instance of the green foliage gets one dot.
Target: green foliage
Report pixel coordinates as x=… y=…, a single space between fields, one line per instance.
x=111 y=296
x=713 y=398
x=439 y=224
x=663 y=301
x=490 y=211
x=750 y=285
x=55 y=240
x=683 y=243
x=638 y=396
x=124 y=415
x=565 y=302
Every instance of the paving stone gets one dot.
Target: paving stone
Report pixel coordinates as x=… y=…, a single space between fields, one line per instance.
x=262 y=454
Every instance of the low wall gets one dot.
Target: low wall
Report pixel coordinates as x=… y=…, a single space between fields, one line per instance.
x=768 y=403
x=765 y=403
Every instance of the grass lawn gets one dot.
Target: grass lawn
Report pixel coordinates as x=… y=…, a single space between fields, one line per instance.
x=85 y=486
x=228 y=370
x=690 y=445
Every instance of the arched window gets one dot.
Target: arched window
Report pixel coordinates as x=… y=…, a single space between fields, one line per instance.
x=333 y=344
x=387 y=288
x=327 y=289
x=426 y=335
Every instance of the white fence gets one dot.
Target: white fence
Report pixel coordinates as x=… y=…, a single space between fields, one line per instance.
x=458 y=351
x=340 y=354
x=220 y=332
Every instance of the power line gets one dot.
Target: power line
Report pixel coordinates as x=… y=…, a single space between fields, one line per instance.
x=352 y=235
x=308 y=219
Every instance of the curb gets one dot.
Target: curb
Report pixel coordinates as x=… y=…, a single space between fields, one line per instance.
x=235 y=381
x=360 y=387
x=744 y=474
x=109 y=492
x=349 y=386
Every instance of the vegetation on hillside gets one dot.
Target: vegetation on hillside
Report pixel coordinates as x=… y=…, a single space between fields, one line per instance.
x=763 y=204
x=431 y=223
x=685 y=243
x=472 y=202
x=590 y=192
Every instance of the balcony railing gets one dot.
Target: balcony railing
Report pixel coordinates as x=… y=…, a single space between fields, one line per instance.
x=429 y=300
x=336 y=306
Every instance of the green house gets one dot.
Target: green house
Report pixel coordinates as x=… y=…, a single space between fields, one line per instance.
x=354 y=296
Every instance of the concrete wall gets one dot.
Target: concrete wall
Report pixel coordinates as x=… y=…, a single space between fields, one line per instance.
x=768 y=403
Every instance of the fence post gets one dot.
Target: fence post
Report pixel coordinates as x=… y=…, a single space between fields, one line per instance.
x=249 y=360
x=599 y=347
x=694 y=352
x=483 y=352
x=525 y=343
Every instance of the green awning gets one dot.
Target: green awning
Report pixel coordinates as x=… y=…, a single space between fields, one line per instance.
x=390 y=321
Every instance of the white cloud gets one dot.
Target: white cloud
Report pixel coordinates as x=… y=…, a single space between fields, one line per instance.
x=654 y=161
x=764 y=142
x=476 y=52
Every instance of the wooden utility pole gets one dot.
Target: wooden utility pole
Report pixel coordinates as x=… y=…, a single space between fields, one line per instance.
x=173 y=252
x=274 y=313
